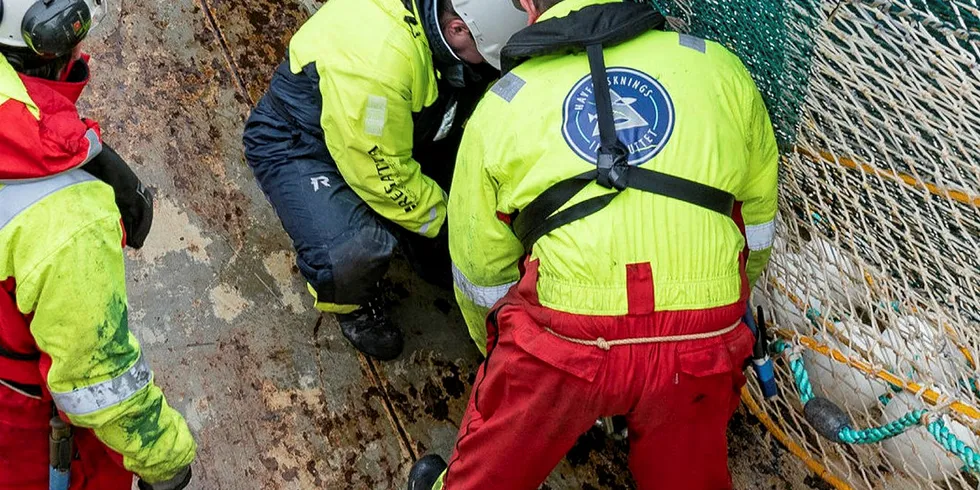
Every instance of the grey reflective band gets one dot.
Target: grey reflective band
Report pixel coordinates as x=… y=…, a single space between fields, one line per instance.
x=433 y=214
x=91 y=399
x=508 y=86
x=94 y=146
x=485 y=296
x=16 y=197
x=760 y=237
x=695 y=43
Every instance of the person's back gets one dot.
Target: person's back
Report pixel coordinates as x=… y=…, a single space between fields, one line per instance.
x=341 y=45
x=613 y=201
x=659 y=81
x=684 y=107
x=72 y=375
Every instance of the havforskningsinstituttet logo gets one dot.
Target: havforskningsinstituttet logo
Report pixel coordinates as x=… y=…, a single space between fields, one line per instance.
x=642 y=110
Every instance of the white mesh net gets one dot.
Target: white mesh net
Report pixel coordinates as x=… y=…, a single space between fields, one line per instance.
x=878 y=256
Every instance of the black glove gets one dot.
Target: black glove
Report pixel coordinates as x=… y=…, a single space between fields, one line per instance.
x=178 y=482
x=134 y=200
x=429 y=257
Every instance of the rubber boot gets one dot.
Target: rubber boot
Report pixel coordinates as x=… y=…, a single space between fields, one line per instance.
x=370 y=331
x=425 y=472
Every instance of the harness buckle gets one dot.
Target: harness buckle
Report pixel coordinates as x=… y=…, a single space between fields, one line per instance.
x=613 y=167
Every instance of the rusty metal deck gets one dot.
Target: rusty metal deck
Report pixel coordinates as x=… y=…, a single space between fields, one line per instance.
x=274 y=394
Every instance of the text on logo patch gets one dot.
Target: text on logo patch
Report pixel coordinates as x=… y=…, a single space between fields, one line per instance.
x=642 y=110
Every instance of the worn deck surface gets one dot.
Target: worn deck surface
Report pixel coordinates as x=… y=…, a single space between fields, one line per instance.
x=275 y=396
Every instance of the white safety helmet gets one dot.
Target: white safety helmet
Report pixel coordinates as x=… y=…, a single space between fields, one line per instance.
x=492 y=23
x=50 y=28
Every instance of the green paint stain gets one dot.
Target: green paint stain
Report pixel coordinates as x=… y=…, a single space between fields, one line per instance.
x=144 y=426
x=116 y=355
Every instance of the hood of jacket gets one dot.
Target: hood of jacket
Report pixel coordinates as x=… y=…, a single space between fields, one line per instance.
x=44 y=134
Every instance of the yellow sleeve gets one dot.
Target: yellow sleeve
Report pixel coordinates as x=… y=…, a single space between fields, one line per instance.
x=484 y=250
x=97 y=373
x=368 y=127
x=759 y=196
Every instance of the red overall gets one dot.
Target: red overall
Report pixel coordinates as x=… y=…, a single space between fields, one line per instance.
x=536 y=394
x=24 y=420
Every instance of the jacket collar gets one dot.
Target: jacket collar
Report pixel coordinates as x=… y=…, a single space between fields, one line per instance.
x=572 y=25
x=73 y=83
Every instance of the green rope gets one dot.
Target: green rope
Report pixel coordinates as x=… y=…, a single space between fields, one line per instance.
x=970 y=458
x=873 y=435
x=802 y=379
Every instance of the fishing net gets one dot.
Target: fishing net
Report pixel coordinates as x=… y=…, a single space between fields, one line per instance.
x=874 y=284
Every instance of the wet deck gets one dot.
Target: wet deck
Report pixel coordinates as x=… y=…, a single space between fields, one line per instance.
x=275 y=395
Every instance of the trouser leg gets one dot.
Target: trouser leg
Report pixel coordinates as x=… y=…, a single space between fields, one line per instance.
x=343 y=248
x=24 y=434
x=523 y=417
x=24 y=460
x=678 y=431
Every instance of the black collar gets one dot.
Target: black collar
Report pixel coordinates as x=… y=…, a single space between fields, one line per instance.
x=607 y=24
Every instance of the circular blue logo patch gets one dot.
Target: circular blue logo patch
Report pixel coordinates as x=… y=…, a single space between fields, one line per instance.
x=642 y=110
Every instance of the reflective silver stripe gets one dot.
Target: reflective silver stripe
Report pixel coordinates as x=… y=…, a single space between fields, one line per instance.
x=508 y=86
x=760 y=237
x=91 y=399
x=485 y=296
x=94 y=146
x=447 y=122
x=16 y=197
x=695 y=43
x=433 y=214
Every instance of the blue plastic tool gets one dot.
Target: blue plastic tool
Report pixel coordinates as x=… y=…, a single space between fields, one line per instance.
x=761 y=362
x=60 y=453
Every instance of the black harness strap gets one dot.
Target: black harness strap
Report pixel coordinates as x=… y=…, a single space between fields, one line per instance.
x=613 y=157
x=689 y=191
x=572 y=213
x=612 y=171
x=536 y=214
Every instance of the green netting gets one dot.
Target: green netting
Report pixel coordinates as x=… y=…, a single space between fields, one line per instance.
x=774 y=40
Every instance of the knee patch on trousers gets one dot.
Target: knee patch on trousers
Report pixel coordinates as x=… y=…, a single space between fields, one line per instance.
x=348 y=270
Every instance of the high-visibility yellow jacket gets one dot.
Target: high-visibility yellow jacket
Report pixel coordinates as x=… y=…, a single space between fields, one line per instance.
x=686 y=107
x=372 y=63
x=61 y=263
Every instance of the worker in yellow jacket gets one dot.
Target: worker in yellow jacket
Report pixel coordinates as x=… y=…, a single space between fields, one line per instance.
x=72 y=376
x=613 y=203
x=354 y=144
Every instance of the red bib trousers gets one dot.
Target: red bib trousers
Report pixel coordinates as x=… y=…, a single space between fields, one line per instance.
x=536 y=394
